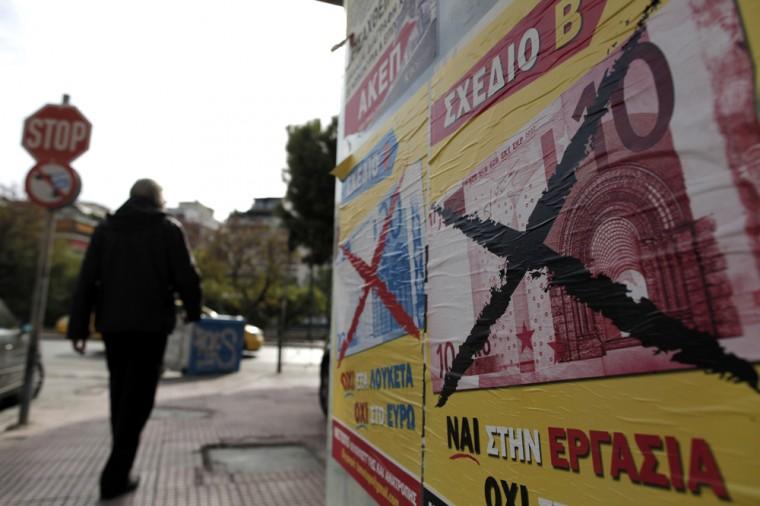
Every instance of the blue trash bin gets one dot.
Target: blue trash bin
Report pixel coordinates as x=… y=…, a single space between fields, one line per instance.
x=216 y=345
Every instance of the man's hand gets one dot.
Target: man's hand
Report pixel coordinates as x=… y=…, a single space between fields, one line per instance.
x=79 y=345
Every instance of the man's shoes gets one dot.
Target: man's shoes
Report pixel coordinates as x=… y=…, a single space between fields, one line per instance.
x=131 y=485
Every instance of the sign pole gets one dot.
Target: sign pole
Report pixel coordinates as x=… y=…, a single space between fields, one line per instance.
x=50 y=184
x=39 y=302
x=281 y=330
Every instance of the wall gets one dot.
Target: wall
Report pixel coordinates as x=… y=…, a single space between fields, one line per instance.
x=548 y=254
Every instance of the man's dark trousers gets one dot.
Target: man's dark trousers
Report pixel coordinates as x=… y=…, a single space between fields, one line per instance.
x=134 y=364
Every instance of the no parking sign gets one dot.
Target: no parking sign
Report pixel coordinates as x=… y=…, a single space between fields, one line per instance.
x=52 y=185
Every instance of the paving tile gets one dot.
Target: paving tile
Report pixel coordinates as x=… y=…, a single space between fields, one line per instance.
x=61 y=466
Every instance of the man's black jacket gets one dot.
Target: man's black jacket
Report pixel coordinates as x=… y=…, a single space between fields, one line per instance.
x=137 y=260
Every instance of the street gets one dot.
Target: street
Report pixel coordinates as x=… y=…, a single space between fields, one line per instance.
x=57 y=457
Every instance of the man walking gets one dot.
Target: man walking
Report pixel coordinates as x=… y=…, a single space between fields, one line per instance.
x=137 y=260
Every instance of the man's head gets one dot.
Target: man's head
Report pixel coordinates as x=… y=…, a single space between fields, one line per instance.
x=149 y=190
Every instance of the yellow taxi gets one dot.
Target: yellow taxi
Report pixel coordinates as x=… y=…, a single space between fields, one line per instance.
x=253 y=337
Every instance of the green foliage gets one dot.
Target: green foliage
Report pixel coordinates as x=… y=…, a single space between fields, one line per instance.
x=243 y=270
x=21 y=226
x=302 y=305
x=309 y=205
x=20 y=232
x=64 y=269
x=246 y=271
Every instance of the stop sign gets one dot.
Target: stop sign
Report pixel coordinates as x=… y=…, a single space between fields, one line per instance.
x=56 y=133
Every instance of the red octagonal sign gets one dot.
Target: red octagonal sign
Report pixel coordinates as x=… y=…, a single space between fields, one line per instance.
x=56 y=133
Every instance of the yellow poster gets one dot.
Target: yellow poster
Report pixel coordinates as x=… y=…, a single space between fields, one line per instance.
x=377 y=418
x=593 y=273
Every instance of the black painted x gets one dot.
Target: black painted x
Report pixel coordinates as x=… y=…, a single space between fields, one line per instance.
x=526 y=252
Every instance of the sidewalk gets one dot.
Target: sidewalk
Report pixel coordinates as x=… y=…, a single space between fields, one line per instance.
x=57 y=459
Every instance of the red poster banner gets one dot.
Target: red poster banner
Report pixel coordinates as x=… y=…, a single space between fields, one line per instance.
x=371 y=95
x=549 y=35
x=384 y=480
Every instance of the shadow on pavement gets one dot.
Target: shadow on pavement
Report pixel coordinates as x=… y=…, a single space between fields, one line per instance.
x=175 y=378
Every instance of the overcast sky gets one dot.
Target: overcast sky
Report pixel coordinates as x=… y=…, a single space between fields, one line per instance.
x=195 y=94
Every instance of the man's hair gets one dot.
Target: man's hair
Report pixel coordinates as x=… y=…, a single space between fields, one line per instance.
x=148 y=189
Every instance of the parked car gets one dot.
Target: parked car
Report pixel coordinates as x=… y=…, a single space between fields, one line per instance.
x=62 y=326
x=14 y=343
x=253 y=337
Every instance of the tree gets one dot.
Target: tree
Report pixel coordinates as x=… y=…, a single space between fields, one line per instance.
x=64 y=270
x=20 y=233
x=309 y=205
x=243 y=271
x=21 y=226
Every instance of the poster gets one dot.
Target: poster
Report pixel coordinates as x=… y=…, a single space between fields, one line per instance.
x=548 y=261
x=593 y=322
x=377 y=418
x=391 y=43
x=381 y=265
